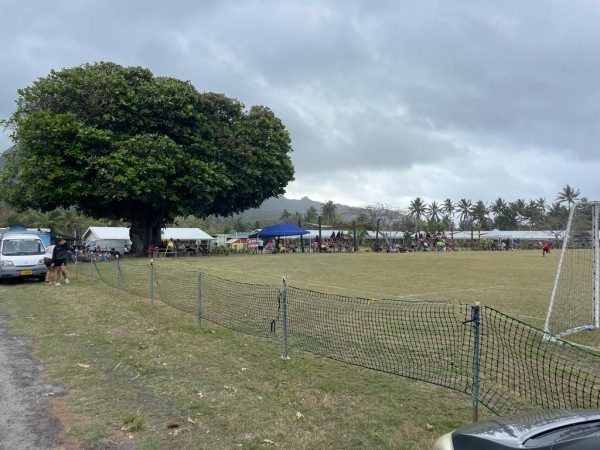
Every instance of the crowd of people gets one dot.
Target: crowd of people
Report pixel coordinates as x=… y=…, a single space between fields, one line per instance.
x=273 y=246
x=174 y=247
x=421 y=243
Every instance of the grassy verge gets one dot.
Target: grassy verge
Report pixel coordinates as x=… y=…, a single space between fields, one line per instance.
x=148 y=378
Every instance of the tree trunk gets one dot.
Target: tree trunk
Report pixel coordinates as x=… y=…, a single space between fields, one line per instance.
x=144 y=230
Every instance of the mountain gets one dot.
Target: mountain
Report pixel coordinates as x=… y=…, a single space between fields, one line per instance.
x=272 y=208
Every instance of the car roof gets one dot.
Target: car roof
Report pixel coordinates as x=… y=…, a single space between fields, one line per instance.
x=18 y=235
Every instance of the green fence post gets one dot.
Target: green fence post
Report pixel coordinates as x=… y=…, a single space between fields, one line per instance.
x=118 y=275
x=476 y=321
x=199 y=299
x=284 y=320
x=152 y=282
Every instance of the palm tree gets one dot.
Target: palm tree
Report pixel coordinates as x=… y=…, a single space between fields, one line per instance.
x=448 y=207
x=464 y=208
x=35 y=219
x=520 y=209
x=568 y=194
x=498 y=206
x=72 y=223
x=541 y=204
x=311 y=215
x=433 y=213
x=536 y=213
x=479 y=214
x=285 y=216
x=329 y=213
x=448 y=211
x=416 y=210
x=557 y=216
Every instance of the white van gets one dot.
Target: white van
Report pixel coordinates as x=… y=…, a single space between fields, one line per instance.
x=21 y=256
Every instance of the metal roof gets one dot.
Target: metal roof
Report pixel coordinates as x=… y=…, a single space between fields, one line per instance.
x=186 y=234
x=183 y=234
x=106 y=233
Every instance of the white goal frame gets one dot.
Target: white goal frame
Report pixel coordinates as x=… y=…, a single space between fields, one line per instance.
x=594 y=302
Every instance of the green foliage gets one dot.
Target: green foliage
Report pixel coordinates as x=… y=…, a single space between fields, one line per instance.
x=311 y=215
x=329 y=213
x=116 y=142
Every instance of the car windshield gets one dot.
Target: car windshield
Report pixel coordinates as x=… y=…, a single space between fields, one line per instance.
x=13 y=247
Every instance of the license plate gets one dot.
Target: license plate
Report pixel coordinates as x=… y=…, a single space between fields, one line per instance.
x=26 y=272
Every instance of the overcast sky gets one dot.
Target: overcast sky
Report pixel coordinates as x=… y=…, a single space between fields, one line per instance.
x=385 y=100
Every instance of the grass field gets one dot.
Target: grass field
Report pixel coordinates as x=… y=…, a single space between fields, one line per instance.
x=133 y=371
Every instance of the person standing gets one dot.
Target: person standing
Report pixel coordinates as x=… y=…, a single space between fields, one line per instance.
x=60 y=254
x=48 y=264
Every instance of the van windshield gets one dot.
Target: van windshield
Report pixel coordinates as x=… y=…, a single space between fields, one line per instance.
x=14 y=247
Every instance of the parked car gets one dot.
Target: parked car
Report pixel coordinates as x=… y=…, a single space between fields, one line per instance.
x=540 y=430
x=21 y=256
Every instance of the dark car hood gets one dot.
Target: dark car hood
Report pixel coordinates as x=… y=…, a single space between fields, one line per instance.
x=514 y=431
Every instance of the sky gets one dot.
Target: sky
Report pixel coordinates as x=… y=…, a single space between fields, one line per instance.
x=384 y=100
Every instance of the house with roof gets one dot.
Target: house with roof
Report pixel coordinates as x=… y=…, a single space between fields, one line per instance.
x=108 y=238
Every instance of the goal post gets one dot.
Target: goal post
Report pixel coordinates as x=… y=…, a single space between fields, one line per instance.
x=574 y=302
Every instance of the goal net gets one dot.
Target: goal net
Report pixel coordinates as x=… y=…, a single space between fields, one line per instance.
x=574 y=304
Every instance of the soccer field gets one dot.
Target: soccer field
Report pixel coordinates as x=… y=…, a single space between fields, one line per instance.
x=516 y=283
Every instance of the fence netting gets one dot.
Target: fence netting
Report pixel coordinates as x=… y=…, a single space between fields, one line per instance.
x=521 y=367
x=420 y=340
x=518 y=366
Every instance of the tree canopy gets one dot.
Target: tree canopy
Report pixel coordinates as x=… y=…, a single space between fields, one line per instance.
x=119 y=143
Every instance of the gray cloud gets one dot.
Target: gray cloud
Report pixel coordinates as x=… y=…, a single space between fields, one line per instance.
x=385 y=101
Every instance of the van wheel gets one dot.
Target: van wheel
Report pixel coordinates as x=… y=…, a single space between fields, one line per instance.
x=42 y=278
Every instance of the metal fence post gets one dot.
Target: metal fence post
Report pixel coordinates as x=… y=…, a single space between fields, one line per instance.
x=476 y=321
x=199 y=298
x=91 y=270
x=284 y=319
x=152 y=282
x=118 y=275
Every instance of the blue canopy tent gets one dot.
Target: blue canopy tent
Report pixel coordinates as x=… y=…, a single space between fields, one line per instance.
x=279 y=230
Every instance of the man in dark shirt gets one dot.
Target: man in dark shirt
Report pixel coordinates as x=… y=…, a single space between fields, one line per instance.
x=60 y=254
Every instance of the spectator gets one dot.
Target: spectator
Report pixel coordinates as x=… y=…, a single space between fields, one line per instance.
x=60 y=254
x=269 y=247
x=48 y=264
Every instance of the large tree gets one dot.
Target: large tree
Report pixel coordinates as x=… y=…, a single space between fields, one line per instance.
x=119 y=143
x=388 y=217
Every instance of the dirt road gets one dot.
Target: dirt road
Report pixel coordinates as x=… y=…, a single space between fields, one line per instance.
x=25 y=419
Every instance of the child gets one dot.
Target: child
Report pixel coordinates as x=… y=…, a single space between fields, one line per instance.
x=546 y=248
